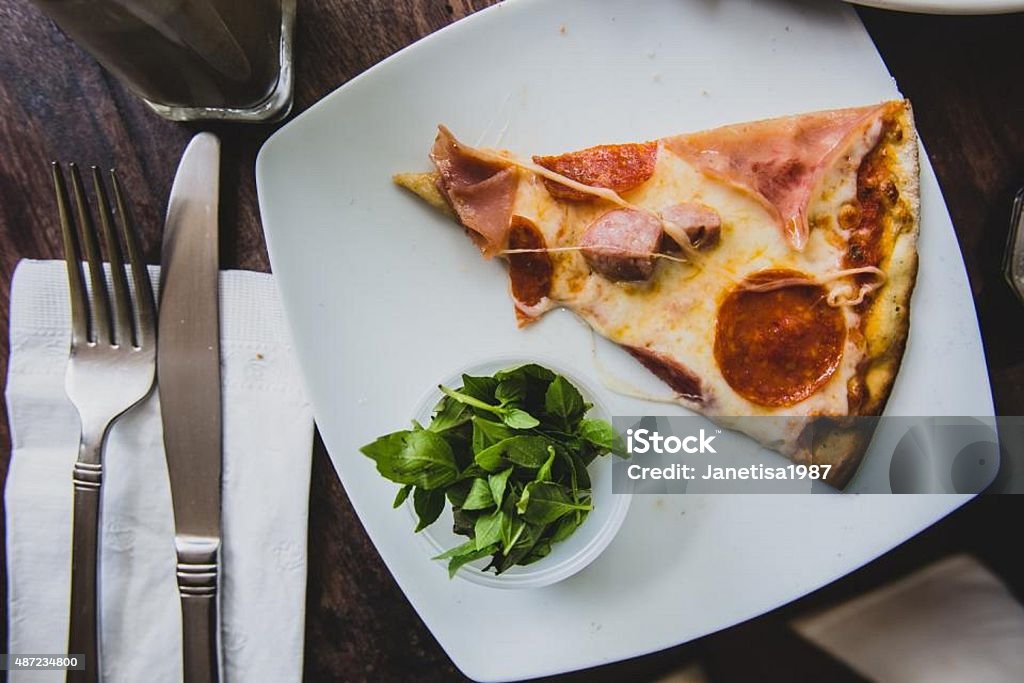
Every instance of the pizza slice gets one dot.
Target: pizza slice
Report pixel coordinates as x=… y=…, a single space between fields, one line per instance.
x=758 y=269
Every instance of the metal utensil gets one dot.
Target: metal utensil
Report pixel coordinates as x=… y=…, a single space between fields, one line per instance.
x=188 y=379
x=110 y=369
x=1013 y=258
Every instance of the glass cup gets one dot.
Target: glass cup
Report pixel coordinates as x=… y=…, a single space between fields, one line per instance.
x=191 y=59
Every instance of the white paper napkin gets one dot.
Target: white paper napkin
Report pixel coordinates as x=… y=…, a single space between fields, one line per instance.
x=268 y=430
x=949 y=622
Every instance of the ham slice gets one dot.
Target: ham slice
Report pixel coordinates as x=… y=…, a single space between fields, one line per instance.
x=780 y=161
x=480 y=190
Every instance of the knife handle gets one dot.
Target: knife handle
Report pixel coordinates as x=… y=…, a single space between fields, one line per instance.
x=198 y=559
x=83 y=638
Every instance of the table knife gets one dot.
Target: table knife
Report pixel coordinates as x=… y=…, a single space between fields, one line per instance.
x=188 y=381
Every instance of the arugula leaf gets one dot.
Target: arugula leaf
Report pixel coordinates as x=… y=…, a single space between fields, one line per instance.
x=418 y=457
x=563 y=400
x=497 y=484
x=479 y=497
x=428 y=504
x=402 y=494
x=487 y=529
x=544 y=502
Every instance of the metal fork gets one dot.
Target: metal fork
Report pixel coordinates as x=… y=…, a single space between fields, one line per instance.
x=110 y=369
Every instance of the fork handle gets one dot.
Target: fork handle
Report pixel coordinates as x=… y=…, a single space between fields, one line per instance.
x=83 y=638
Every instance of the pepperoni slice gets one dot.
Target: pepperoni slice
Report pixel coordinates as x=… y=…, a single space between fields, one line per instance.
x=531 y=272
x=680 y=378
x=779 y=346
x=615 y=167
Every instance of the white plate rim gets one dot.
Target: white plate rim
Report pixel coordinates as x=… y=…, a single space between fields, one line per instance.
x=958 y=7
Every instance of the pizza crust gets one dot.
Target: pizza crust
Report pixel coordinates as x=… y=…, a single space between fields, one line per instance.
x=886 y=321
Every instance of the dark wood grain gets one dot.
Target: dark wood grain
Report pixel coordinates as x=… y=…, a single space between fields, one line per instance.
x=963 y=75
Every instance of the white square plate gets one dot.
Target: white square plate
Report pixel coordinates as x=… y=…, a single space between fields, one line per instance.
x=385 y=298
x=946 y=6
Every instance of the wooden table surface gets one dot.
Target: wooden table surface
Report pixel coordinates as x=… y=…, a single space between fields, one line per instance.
x=963 y=74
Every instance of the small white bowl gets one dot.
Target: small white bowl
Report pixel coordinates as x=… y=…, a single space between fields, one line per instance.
x=567 y=557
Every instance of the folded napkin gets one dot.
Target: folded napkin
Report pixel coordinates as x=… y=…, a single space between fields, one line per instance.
x=268 y=430
x=951 y=621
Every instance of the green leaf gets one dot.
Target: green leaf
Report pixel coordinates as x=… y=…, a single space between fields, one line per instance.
x=428 y=504
x=528 y=370
x=513 y=417
x=519 y=419
x=492 y=458
x=458 y=491
x=487 y=433
x=544 y=473
x=579 y=478
x=472 y=401
x=403 y=493
x=463 y=522
x=479 y=497
x=511 y=390
x=466 y=547
x=539 y=551
x=449 y=414
x=487 y=530
x=527 y=538
x=481 y=388
x=581 y=475
x=601 y=434
x=566 y=525
x=511 y=530
x=457 y=562
x=497 y=484
x=564 y=400
x=544 y=502
x=525 y=450
x=418 y=457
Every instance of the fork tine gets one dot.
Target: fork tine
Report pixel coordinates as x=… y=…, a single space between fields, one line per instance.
x=146 y=307
x=76 y=282
x=122 y=304
x=99 y=306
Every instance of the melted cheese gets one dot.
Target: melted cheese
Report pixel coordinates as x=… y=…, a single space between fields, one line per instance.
x=659 y=314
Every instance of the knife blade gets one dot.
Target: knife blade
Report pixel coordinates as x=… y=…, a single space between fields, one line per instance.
x=188 y=382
